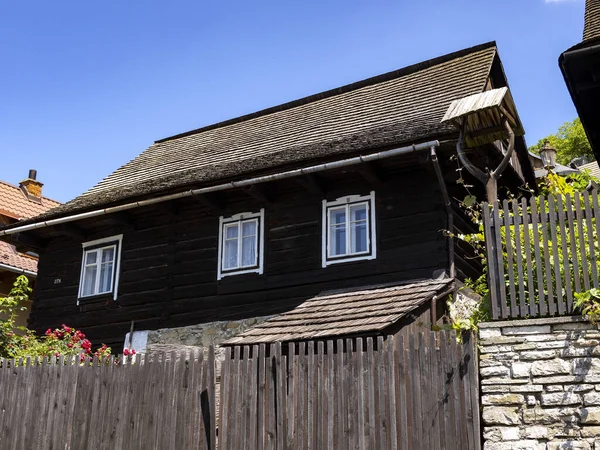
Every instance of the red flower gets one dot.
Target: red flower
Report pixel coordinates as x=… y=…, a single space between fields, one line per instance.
x=48 y=332
x=126 y=352
x=70 y=345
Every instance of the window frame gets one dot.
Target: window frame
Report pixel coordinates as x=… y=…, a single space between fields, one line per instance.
x=239 y=219
x=97 y=246
x=347 y=202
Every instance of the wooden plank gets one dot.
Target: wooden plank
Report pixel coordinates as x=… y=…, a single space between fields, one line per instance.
x=243 y=392
x=523 y=307
x=504 y=312
x=573 y=241
x=596 y=209
x=535 y=307
x=329 y=392
x=415 y=381
x=301 y=411
x=372 y=377
x=383 y=395
x=360 y=388
x=582 y=243
x=352 y=389
x=322 y=398
x=510 y=256
x=292 y=406
x=261 y=399
x=310 y=390
x=424 y=384
x=555 y=306
x=394 y=404
x=253 y=405
x=211 y=382
x=528 y=261
x=590 y=238
x=341 y=381
x=545 y=307
x=567 y=305
x=280 y=395
x=225 y=402
x=491 y=246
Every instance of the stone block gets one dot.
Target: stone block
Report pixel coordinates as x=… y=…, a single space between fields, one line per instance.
x=525 y=347
x=531 y=400
x=559 y=379
x=546 y=337
x=526 y=388
x=536 y=432
x=590 y=415
x=501 y=415
x=551 y=367
x=573 y=352
x=486 y=333
x=503 y=399
x=552 y=344
x=535 y=329
x=590 y=432
x=560 y=398
x=497 y=434
x=520 y=369
x=583 y=342
x=504 y=340
x=580 y=388
x=593 y=398
x=495 y=371
x=570 y=444
x=573 y=326
x=554 y=388
x=536 y=355
x=497 y=380
x=586 y=366
x=496 y=349
x=519 y=445
x=549 y=416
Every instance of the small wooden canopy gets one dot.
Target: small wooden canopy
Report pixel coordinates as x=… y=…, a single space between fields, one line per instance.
x=484 y=114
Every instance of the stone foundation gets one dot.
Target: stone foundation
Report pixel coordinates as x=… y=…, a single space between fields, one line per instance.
x=540 y=384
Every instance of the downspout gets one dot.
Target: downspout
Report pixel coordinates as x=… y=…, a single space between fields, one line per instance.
x=226 y=186
x=450 y=234
x=449 y=214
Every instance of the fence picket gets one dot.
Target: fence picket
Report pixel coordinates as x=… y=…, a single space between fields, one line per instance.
x=590 y=239
x=554 y=302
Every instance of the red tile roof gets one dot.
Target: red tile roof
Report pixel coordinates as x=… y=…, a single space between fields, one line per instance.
x=10 y=257
x=14 y=204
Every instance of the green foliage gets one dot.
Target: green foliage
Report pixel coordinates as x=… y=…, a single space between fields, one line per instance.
x=589 y=304
x=570 y=142
x=20 y=342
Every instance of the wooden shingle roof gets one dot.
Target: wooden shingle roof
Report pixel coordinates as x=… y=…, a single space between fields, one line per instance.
x=333 y=314
x=404 y=106
x=591 y=29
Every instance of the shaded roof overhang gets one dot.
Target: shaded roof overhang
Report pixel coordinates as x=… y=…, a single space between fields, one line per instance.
x=580 y=66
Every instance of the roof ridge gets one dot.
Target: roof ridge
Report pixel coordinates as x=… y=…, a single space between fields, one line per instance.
x=339 y=90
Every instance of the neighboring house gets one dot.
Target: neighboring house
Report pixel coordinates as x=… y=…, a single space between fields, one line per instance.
x=18 y=203
x=540 y=171
x=580 y=66
x=212 y=231
x=592 y=167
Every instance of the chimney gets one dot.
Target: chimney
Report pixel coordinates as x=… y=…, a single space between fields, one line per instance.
x=591 y=28
x=31 y=187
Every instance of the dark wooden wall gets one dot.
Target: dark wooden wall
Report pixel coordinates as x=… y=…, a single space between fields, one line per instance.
x=169 y=258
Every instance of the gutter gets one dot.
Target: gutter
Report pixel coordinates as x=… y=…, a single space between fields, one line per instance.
x=226 y=186
x=17 y=270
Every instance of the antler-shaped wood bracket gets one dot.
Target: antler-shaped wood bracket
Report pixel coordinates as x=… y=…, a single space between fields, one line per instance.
x=490 y=177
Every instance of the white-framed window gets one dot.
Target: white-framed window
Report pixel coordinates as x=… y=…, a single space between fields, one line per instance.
x=241 y=244
x=100 y=264
x=349 y=229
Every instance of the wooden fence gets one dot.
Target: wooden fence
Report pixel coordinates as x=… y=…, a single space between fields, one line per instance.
x=541 y=252
x=360 y=394
x=163 y=402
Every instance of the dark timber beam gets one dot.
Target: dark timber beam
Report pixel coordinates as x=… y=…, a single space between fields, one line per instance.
x=312 y=184
x=71 y=230
x=21 y=240
x=211 y=201
x=169 y=208
x=371 y=173
x=259 y=193
x=121 y=217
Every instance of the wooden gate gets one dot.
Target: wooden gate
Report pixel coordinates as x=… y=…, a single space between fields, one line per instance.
x=354 y=393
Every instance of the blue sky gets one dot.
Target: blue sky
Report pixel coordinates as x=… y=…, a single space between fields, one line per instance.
x=88 y=85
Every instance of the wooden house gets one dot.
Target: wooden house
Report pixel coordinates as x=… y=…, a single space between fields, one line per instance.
x=580 y=66
x=350 y=189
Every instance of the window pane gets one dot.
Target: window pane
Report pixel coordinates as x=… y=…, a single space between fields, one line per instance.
x=338 y=240
x=249 y=228
x=106 y=271
x=89 y=280
x=358 y=237
x=358 y=212
x=231 y=231
x=91 y=257
x=230 y=254
x=108 y=254
x=337 y=216
x=248 y=251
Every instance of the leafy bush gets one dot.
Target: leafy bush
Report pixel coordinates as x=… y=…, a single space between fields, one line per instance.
x=589 y=304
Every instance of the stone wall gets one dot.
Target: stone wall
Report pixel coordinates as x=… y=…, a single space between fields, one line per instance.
x=202 y=335
x=540 y=384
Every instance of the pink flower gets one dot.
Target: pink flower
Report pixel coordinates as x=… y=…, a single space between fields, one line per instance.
x=126 y=352
x=48 y=332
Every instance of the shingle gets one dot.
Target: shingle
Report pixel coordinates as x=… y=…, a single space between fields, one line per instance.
x=591 y=29
x=353 y=312
x=10 y=257
x=400 y=107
